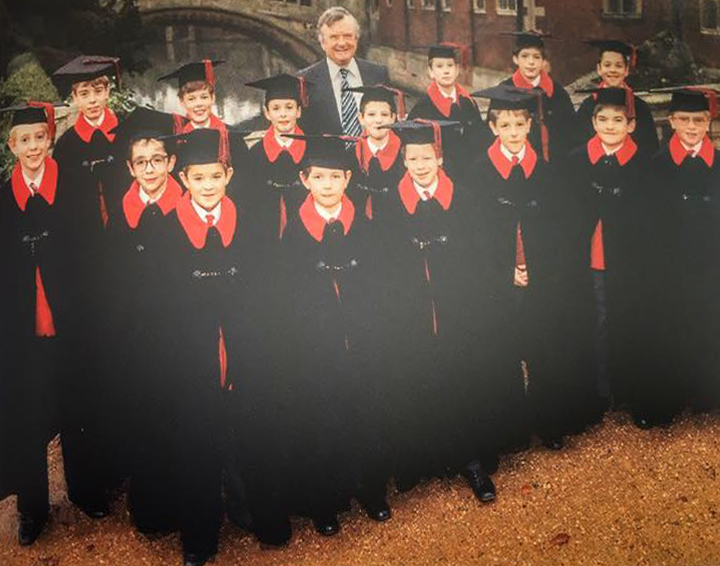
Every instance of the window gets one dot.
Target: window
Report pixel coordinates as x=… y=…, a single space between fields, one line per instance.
x=507 y=6
x=479 y=6
x=388 y=3
x=710 y=16
x=446 y=5
x=622 y=8
x=410 y=3
x=427 y=4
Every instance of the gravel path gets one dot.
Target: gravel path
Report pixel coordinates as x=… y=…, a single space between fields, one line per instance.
x=615 y=496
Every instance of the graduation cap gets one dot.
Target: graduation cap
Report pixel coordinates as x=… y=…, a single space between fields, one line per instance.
x=693 y=99
x=86 y=68
x=196 y=71
x=509 y=97
x=202 y=146
x=613 y=96
x=528 y=39
x=325 y=150
x=615 y=46
x=422 y=132
x=34 y=113
x=145 y=123
x=282 y=86
x=448 y=50
x=381 y=93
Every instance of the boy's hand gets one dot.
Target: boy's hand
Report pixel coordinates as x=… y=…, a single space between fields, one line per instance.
x=521 y=276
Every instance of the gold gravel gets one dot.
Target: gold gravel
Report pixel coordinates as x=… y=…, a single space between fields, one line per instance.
x=614 y=496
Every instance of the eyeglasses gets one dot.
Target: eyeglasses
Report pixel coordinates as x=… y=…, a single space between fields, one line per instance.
x=157 y=161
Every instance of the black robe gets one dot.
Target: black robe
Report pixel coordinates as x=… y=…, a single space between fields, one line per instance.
x=645 y=134
x=689 y=197
x=550 y=324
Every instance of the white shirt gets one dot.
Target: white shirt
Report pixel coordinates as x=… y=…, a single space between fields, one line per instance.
x=354 y=80
x=536 y=81
x=695 y=149
x=375 y=148
x=610 y=151
x=507 y=153
x=97 y=123
x=423 y=190
x=37 y=181
x=202 y=213
x=452 y=96
x=147 y=200
x=202 y=126
x=283 y=142
x=326 y=215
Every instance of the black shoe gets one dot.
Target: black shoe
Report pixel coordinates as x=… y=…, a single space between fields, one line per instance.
x=554 y=442
x=377 y=508
x=481 y=484
x=326 y=525
x=29 y=529
x=197 y=558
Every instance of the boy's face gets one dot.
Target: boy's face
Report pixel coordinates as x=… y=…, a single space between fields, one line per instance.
x=613 y=68
x=30 y=144
x=512 y=128
x=444 y=71
x=283 y=114
x=691 y=127
x=198 y=105
x=376 y=115
x=206 y=183
x=91 y=99
x=327 y=186
x=150 y=165
x=613 y=126
x=530 y=61
x=422 y=163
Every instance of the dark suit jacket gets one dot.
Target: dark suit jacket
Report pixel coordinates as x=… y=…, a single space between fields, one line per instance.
x=322 y=115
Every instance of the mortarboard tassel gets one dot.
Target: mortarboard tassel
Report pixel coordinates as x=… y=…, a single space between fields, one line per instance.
x=464 y=53
x=303 y=93
x=401 y=112
x=209 y=72
x=437 y=135
x=178 y=123
x=224 y=148
x=50 y=113
x=544 y=134
x=712 y=98
x=633 y=58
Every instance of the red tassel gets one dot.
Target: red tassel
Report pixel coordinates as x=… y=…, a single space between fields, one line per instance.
x=544 y=134
x=437 y=135
x=178 y=123
x=49 y=113
x=629 y=102
x=283 y=217
x=712 y=98
x=464 y=52
x=209 y=72
x=224 y=148
x=368 y=208
x=303 y=93
x=222 y=358
x=400 y=95
x=633 y=58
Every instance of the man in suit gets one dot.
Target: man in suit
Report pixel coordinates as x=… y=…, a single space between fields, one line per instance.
x=338 y=33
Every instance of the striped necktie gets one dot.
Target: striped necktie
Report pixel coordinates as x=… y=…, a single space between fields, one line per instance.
x=350 y=123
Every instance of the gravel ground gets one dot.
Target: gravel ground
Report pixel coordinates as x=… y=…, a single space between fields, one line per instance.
x=615 y=496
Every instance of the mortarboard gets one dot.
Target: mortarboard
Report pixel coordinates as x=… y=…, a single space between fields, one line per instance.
x=528 y=39
x=146 y=123
x=421 y=132
x=613 y=96
x=201 y=147
x=196 y=71
x=615 y=46
x=381 y=93
x=86 y=68
x=34 y=113
x=325 y=150
x=693 y=99
x=282 y=86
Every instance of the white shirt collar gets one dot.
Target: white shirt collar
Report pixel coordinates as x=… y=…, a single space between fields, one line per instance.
x=37 y=181
x=352 y=66
x=97 y=123
x=146 y=199
x=202 y=213
x=202 y=126
x=375 y=148
x=423 y=190
x=610 y=151
x=507 y=153
x=695 y=149
x=452 y=96
x=536 y=81
x=283 y=142
x=326 y=215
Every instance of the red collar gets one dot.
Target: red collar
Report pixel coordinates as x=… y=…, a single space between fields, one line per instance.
x=596 y=150
x=133 y=206
x=315 y=224
x=679 y=153
x=215 y=124
x=443 y=103
x=196 y=228
x=48 y=186
x=85 y=130
x=386 y=156
x=546 y=82
x=504 y=166
x=410 y=197
x=273 y=149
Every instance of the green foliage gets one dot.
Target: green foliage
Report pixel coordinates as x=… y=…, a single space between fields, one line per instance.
x=121 y=102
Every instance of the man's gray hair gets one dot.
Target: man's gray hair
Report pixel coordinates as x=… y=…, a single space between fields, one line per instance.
x=333 y=15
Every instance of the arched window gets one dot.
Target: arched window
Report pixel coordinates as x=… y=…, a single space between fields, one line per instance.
x=622 y=8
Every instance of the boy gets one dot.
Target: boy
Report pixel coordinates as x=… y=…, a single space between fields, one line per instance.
x=615 y=224
x=204 y=280
x=379 y=162
x=324 y=386
x=134 y=283
x=447 y=100
x=558 y=133
x=526 y=224
x=33 y=322
x=275 y=192
x=443 y=312
x=617 y=61
x=83 y=154
x=687 y=178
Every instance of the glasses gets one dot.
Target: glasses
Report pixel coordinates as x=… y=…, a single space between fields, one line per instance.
x=157 y=161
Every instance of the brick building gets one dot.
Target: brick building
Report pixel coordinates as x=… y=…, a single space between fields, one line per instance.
x=403 y=24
